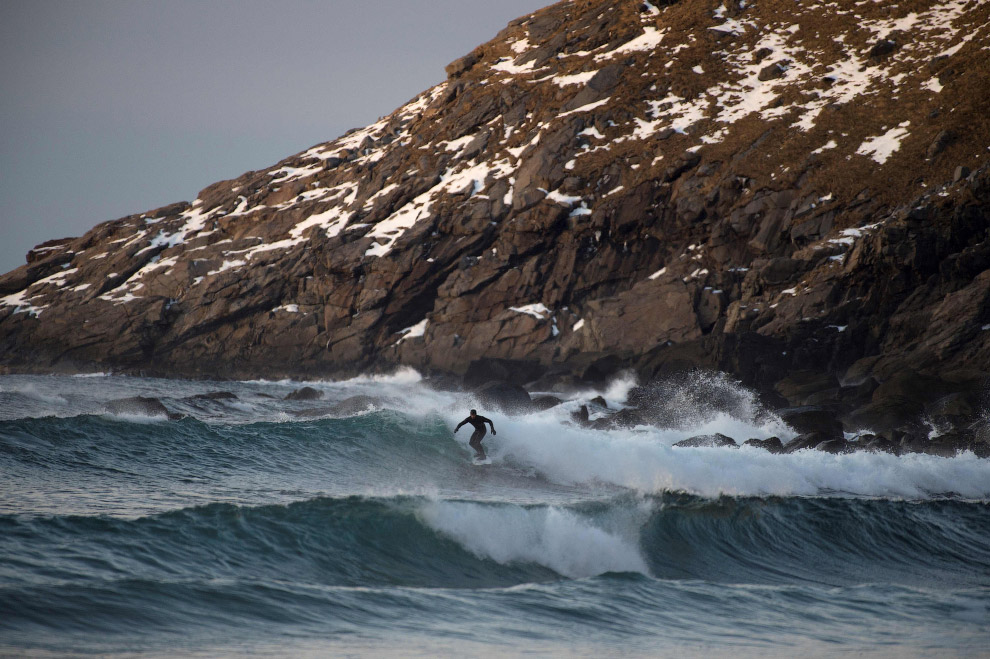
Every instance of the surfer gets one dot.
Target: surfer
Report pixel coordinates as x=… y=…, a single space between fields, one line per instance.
x=479 y=432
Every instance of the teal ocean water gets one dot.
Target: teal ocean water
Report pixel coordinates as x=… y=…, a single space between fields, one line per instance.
x=243 y=528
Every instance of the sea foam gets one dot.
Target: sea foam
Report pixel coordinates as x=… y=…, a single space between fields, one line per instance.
x=559 y=539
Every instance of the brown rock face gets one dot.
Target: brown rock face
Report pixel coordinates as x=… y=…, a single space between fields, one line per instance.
x=764 y=189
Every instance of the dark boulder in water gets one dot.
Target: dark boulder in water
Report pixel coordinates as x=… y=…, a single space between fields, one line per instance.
x=772 y=444
x=902 y=398
x=627 y=418
x=875 y=444
x=955 y=406
x=707 y=441
x=546 y=402
x=910 y=437
x=807 y=440
x=580 y=415
x=356 y=405
x=141 y=406
x=504 y=396
x=482 y=371
x=836 y=446
x=215 y=395
x=305 y=393
x=949 y=444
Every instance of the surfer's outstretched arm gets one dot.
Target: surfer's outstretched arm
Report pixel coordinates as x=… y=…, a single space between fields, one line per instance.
x=489 y=422
x=461 y=424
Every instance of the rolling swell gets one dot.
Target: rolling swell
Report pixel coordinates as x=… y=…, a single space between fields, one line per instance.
x=825 y=541
x=263 y=561
x=164 y=465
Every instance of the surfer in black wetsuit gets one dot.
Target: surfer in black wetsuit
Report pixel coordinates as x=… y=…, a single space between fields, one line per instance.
x=479 y=432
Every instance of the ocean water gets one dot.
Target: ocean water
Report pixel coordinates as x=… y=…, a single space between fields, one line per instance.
x=245 y=529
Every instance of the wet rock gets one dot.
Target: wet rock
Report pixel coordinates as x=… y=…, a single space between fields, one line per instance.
x=140 y=406
x=858 y=395
x=772 y=444
x=542 y=403
x=879 y=416
x=504 y=396
x=707 y=441
x=596 y=369
x=580 y=415
x=215 y=395
x=897 y=400
x=817 y=420
x=356 y=405
x=305 y=393
x=483 y=371
x=599 y=401
x=628 y=417
x=955 y=410
x=909 y=438
x=809 y=440
x=798 y=387
x=625 y=418
x=836 y=446
x=874 y=444
x=948 y=445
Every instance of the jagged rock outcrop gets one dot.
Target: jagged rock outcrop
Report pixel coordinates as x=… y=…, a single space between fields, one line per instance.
x=773 y=190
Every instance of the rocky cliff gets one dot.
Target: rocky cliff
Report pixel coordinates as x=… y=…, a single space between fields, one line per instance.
x=794 y=192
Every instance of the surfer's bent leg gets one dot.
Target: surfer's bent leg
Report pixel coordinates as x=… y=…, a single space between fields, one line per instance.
x=476 y=444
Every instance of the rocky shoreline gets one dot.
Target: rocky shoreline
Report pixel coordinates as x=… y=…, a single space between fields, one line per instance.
x=956 y=424
x=800 y=201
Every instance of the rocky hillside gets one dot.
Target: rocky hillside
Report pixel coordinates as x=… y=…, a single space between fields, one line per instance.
x=795 y=192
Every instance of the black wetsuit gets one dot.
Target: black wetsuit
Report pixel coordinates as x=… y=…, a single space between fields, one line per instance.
x=478 y=422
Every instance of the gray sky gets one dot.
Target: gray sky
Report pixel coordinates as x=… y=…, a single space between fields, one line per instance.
x=112 y=107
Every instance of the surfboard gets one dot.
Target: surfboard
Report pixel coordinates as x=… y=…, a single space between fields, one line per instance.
x=477 y=463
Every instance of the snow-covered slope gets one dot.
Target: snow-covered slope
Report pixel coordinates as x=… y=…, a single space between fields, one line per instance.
x=627 y=183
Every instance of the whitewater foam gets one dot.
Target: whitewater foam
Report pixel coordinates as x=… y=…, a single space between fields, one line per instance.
x=546 y=445
x=559 y=539
x=646 y=461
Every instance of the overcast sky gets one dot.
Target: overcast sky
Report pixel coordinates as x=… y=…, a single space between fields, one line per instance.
x=113 y=107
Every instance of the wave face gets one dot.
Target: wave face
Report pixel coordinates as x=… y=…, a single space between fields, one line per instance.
x=244 y=526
